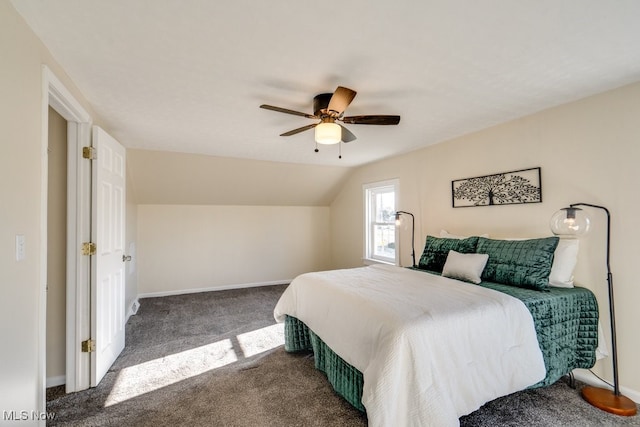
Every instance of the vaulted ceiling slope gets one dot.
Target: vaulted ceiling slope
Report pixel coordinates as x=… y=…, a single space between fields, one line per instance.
x=188 y=76
x=161 y=177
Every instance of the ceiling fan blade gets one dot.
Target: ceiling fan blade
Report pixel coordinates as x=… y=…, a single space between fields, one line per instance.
x=287 y=111
x=372 y=120
x=341 y=99
x=347 y=136
x=302 y=129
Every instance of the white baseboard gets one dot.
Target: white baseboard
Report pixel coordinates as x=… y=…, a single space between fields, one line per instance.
x=213 y=288
x=56 y=381
x=588 y=378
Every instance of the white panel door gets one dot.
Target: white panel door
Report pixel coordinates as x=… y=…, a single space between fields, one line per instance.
x=108 y=275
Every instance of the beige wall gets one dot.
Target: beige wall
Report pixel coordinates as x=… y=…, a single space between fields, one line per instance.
x=20 y=177
x=185 y=247
x=208 y=222
x=588 y=151
x=22 y=212
x=19 y=157
x=56 y=248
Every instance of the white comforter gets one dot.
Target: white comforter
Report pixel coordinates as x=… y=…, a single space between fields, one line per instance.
x=431 y=349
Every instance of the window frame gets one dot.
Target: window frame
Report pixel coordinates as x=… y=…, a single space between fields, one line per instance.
x=369 y=191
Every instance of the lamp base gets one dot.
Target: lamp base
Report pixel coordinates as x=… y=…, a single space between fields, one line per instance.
x=606 y=400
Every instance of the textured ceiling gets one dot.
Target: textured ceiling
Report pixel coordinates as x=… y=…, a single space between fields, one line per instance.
x=188 y=76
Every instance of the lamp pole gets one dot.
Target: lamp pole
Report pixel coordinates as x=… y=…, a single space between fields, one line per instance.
x=612 y=313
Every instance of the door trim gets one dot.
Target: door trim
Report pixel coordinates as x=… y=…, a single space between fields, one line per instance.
x=56 y=95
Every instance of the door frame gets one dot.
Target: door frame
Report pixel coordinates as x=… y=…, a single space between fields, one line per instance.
x=79 y=122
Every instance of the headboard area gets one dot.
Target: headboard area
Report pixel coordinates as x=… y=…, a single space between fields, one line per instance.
x=529 y=263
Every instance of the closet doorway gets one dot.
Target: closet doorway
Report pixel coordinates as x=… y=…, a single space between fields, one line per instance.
x=56 y=250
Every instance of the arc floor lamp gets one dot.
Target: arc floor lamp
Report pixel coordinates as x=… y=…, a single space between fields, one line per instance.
x=573 y=221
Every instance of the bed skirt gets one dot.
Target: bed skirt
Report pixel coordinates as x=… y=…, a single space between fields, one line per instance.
x=346 y=380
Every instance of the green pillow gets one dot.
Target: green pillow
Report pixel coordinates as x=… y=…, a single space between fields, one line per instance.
x=436 y=250
x=523 y=263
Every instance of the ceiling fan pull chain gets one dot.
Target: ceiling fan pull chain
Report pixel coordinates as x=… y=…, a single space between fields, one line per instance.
x=316 y=150
x=340 y=150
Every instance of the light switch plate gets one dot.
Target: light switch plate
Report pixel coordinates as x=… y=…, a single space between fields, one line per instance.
x=20 y=249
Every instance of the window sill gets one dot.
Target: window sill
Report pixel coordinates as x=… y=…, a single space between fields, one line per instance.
x=369 y=261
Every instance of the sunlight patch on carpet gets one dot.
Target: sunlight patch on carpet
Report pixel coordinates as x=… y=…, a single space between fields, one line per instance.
x=143 y=378
x=261 y=340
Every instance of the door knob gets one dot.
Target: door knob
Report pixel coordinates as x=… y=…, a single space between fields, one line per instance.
x=126 y=258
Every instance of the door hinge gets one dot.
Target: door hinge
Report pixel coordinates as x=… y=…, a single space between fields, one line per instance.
x=88 y=248
x=89 y=153
x=88 y=346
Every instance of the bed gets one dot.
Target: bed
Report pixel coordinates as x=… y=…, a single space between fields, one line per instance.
x=413 y=347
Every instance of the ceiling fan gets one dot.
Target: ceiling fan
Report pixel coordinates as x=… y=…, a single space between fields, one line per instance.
x=329 y=108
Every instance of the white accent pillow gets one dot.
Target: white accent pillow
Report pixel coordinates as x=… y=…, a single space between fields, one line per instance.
x=447 y=235
x=564 y=262
x=467 y=267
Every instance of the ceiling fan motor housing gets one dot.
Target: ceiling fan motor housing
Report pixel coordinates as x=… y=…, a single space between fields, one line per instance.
x=321 y=103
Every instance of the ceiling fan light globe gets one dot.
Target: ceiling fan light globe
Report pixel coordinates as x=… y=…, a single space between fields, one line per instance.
x=328 y=133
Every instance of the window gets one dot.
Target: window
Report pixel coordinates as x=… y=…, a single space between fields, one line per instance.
x=380 y=228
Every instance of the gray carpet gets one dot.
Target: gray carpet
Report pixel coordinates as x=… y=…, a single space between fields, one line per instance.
x=216 y=359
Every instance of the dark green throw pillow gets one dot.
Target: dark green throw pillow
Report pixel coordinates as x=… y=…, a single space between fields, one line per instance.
x=436 y=250
x=523 y=263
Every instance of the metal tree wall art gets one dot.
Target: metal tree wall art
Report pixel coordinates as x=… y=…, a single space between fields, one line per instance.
x=507 y=188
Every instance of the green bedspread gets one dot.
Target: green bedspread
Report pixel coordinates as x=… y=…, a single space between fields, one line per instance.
x=566 y=322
